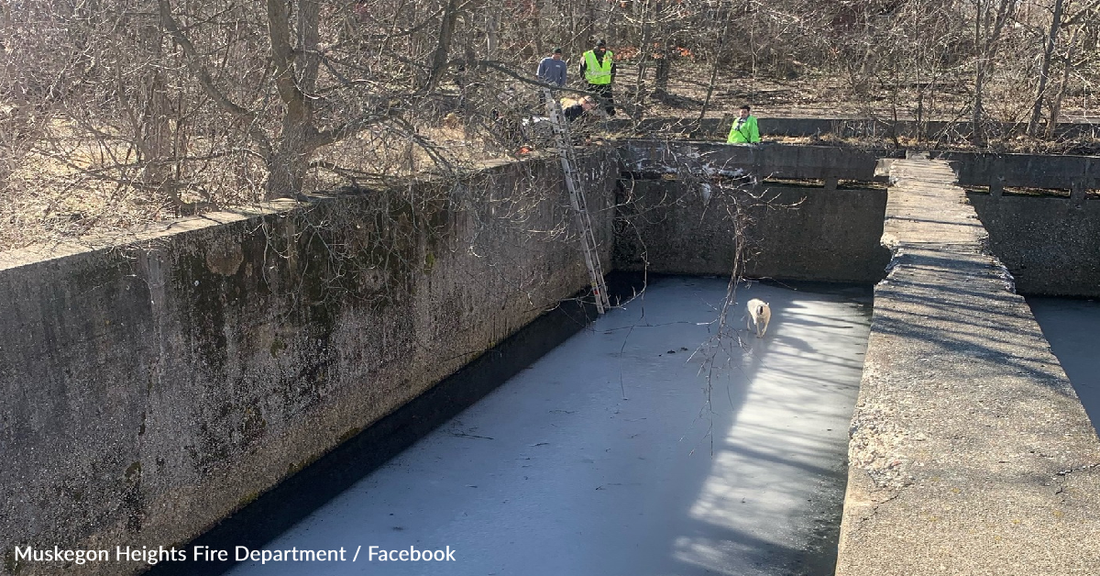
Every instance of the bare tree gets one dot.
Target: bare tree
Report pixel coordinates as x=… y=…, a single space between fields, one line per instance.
x=1071 y=63
x=1044 y=67
x=990 y=19
x=182 y=105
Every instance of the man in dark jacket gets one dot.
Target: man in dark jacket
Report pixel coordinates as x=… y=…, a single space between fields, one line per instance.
x=552 y=69
x=576 y=109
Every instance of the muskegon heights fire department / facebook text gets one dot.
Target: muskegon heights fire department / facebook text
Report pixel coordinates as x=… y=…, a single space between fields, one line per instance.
x=152 y=556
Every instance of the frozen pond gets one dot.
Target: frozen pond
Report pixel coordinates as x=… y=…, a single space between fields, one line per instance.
x=1072 y=327
x=638 y=447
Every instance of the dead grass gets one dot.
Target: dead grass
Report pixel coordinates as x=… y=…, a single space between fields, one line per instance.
x=47 y=201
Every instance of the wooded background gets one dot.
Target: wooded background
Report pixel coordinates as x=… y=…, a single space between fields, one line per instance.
x=113 y=111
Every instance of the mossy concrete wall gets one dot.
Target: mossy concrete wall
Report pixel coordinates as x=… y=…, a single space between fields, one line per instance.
x=1050 y=245
x=152 y=387
x=789 y=232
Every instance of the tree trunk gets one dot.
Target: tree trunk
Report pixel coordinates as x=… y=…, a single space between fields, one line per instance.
x=492 y=36
x=536 y=28
x=1056 y=106
x=589 y=23
x=664 y=68
x=977 y=134
x=288 y=163
x=987 y=32
x=1044 y=69
x=154 y=138
x=287 y=167
x=309 y=39
x=713 y=77
x=443 y=46
x=643 y=46
x=979 y=76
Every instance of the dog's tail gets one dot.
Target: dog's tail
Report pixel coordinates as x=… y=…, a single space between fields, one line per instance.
x=759 y=310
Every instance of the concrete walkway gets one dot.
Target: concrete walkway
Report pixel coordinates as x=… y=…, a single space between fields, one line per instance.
x=970 y=452
x=614 y=455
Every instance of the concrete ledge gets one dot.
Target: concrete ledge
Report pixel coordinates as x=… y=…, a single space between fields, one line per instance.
x=876 y=128
x=970 y=452
x=886 y=129
x=1024 y=170
x=764 y=160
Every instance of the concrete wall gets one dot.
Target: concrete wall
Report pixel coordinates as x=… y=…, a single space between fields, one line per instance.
x=1050 y=245
x=767 y=160
x=969 y=450
x=996 y=171
x=149 y=389
x=718 y=129
x=886 y=129
x=152 y=387
x=791 y=232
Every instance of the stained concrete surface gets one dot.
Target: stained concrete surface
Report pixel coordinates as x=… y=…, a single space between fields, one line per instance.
x=969 y=451
x=605 y=456
x=1071 y=326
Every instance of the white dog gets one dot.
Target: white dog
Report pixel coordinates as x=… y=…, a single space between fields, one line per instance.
x=759 y=316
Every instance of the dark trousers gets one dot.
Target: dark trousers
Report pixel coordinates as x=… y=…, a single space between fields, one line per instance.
x=602 y=92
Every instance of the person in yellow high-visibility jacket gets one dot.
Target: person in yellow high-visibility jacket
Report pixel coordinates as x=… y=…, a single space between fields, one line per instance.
x=744 y=129
x=598 y=70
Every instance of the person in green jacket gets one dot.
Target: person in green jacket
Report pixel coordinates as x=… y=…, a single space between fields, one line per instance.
x=744 y=129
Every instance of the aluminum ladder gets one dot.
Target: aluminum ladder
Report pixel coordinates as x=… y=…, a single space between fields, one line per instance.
x=576 y=197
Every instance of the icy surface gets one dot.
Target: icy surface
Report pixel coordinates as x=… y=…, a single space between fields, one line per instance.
x=616 y=454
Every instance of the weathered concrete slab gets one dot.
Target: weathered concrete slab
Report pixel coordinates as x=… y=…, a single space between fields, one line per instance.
x=970 y=452
x=152 y=388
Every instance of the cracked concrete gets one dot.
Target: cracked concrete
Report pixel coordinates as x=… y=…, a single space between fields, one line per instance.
x=965 y=418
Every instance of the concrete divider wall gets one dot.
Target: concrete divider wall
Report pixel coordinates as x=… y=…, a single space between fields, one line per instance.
x=792 y=232
x=768 y=161
x=151 y=388
x=884 y=128
x=1050 y=245
x=969 y=450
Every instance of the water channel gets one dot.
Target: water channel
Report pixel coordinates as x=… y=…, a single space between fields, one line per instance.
x=643 y=445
